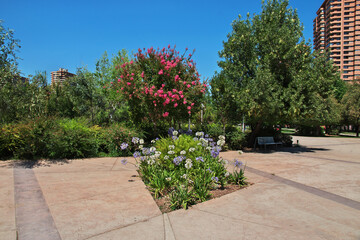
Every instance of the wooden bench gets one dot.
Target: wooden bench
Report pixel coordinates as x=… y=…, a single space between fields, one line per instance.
x=264 y=141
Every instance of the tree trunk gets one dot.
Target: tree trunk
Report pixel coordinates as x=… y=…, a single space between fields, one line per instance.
x=254 y=133
x=357 y=130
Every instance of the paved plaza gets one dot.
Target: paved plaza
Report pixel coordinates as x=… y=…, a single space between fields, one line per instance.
x=306 y=192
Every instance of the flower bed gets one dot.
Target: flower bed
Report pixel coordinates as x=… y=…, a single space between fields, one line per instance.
x=182 y=170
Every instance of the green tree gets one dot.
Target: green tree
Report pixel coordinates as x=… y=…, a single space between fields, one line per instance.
x=270 y=69
x=351 y=106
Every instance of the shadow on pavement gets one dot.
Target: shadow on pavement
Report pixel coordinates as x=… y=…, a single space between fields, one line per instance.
x=36 y=163
x=299 y=149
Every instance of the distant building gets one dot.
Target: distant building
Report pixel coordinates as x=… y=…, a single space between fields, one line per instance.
x=58 y=77
x=337 y=29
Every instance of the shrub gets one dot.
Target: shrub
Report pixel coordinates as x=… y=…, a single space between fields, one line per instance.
x=183 y=167
x=72 y=139
x=235 y=138
x=110 y=139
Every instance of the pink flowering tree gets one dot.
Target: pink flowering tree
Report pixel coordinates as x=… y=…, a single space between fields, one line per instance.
x=161 y=85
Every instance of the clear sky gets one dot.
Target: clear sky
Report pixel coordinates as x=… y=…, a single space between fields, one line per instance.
x=72 y=34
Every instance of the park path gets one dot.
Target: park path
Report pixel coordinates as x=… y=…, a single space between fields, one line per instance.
x=310 y=192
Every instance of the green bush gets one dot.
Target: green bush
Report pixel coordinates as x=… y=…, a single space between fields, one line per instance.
x=111 y=138
x=185 y=168
x=214 y=130
x=235 y=138
x=72 y=139
x=25 y=140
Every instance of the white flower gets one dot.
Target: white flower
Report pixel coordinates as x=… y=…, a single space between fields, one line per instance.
x=220 y=142
x=168 y=179
x=153 y=157
x=225 y=161
x=171 y=152
x=166 y=157
x=183 y=152
x=221 y=137
x=171 y=147
x=141 y=147
x=188 y=160
x=184 y=176
x=199 y=144
x=188 y=165
x=191 y=181
x=151 y=161
x=227 y=174
x=175 y=133
x=152 y=149
x=199 y=134
x=240 y=152
x=191 y=149
x=153 y=141
x=208 y=148
x=141 y=141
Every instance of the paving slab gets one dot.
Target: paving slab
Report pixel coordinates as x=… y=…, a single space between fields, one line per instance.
x=7 y=206
x=93 y=196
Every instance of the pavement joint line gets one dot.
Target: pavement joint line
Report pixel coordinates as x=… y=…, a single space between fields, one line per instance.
x=315 y=191
x=322 y=158
x=32 y=214
x=171 y=227
x=114 y=164
x=119 y=227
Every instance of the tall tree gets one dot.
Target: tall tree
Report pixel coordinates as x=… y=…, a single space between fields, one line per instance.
x=351 y=106
x=266 y=62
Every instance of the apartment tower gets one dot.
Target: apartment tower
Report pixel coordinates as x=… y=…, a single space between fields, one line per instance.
x=58 y=77
x=337 y=29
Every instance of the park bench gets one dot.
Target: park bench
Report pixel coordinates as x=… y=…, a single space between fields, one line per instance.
x=264 y=141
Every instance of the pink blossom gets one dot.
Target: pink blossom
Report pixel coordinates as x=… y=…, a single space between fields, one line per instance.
x=177 y=77
x=163 y=85
x=132 y=74
x=185 y=102
x=180 y=92
x=161 y=72
x=131 y=78
x=182 y=96
x=175 y=105
x=189 y=108
x=122 y=88
x=165 y=114
x=188 y=85
x=128 y=83
x=142 y=74
x=189 y=112
x=119 y=80
x=174 y=90
x=192 y=104
x=160 y=91
x=169 y=46
x=184 y=82
x=111 y=82
x=165 y=95
x=131 y=62
x=193 y=82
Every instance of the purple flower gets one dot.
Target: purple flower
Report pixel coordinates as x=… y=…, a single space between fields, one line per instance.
x=216 y=179
x=209 y=170
x=214 y=154
x=238 y=163
x=135 y=140
x=136 y=154
x=199 y=159
x=123 y=146
x=174 y=137
x=178 y=160
x=124 y=161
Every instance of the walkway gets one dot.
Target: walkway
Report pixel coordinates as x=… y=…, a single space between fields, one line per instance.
x=312 y=192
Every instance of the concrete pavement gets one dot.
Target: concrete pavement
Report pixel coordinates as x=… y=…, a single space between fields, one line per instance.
x=310 y=192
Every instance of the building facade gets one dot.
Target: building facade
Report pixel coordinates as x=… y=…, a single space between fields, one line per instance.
x=58 y=77
x=337 y=29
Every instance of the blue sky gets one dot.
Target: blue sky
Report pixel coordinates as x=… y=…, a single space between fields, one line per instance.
x=72 y=34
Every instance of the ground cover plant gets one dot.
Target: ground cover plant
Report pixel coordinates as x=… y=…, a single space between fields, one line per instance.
x=183 y=169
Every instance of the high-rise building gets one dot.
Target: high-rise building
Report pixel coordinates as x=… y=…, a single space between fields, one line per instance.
x=58 y=77
x=337 y=29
